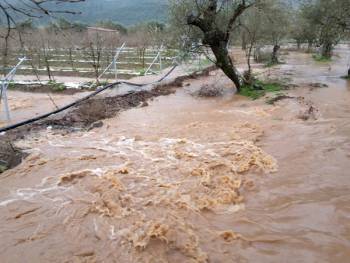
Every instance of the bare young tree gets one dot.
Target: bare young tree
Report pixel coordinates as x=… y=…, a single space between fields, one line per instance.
x=251 y=27
x=93 y=51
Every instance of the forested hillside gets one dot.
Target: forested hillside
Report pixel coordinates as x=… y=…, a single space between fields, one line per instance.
x=127 y=12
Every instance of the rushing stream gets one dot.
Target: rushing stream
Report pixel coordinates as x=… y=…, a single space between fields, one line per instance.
x=189 y=179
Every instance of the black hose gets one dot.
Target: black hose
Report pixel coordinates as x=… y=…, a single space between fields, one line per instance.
x=26 y=122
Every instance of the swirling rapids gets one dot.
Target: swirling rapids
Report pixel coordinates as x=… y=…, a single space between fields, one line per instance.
x=149 y=204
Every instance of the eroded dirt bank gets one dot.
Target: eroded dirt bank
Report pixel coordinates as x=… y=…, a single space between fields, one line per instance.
x=189 y=179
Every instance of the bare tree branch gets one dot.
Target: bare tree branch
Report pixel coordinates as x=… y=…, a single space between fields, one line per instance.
x=10 y=11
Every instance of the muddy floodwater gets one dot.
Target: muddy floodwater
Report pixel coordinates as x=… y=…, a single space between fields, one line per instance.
x=188 y=179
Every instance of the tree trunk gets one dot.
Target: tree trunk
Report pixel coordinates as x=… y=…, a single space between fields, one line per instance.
x=309 y=46
x=327 y=48
x=47 y=64
x=244 y=41
x=5 y=56
x=274 y=56
x=349 y=73
x=71 y=58
x=224 y=62
x=247 y=76
x=298 y=44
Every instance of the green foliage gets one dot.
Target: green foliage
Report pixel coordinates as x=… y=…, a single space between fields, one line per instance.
x=3 y=168
x=56 y=86
x=64 y=24
x=142 y=72
x=320 y=58
x=329 y=20
x=346 y=77
x=11 y=85
x=259 y=89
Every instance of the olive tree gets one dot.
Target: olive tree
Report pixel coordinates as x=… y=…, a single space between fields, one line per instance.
x=330 y=21
x=211 y=23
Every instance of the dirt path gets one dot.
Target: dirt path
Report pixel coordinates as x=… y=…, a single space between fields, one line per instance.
x=192 y=180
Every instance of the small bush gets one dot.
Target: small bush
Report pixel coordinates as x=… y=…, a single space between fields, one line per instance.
x=142 y=72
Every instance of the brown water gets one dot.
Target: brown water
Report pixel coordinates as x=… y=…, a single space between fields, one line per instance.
x=192 y=180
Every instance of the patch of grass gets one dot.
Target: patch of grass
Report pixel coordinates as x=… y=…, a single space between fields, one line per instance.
x=346 y=77
x=320 y=58
x=56 y=86
x=259 y=89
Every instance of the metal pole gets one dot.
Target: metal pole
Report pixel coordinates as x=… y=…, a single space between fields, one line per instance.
x=4 y=85
x=160 y=61
x=115 y=68
x=112 y=63
x=154 y=60
x=199 y=62
x=4 y=97
x=119 y=50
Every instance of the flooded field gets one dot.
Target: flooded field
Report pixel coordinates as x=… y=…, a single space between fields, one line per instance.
x=188 y=179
